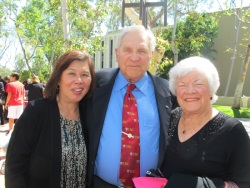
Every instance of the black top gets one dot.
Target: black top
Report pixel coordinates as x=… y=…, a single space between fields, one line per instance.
x=218 y=152
x=2 y=91
x=34 y=155
x=35 y=91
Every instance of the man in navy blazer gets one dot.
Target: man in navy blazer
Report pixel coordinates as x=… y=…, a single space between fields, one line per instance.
x=135 y=48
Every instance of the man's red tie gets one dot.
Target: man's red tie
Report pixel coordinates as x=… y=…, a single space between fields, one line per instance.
x=130 y=149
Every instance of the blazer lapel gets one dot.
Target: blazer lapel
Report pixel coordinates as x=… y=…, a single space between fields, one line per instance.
x=101 y=97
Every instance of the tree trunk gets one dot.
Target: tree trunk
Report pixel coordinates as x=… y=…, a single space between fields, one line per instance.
x=65 y=22
x=239 y=87
x=233 y=58
x=24 y=53
x=152 y=22
x=175 y=51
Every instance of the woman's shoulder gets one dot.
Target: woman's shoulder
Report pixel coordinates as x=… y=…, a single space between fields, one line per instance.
x=228 y=120
x=42 y=103
x=230 y=124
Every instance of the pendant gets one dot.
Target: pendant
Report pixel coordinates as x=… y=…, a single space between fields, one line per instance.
x=71 y=127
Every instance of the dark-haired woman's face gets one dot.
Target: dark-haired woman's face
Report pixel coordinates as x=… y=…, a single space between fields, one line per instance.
x=75 y=81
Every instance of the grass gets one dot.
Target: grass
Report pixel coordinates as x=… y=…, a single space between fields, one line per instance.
x=241 y=113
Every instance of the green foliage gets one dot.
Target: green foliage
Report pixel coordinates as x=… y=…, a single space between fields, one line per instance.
x=4 y=71
x=242 y=113
x=24 y=75
x=194 y=36
x=164 y=69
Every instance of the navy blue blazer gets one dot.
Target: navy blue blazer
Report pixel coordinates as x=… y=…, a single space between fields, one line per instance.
x=96 y=108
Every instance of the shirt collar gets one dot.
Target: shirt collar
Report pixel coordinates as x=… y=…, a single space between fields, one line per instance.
x=121 y=83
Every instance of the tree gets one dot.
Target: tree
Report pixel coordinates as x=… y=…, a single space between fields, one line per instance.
x=194 y=36
x=4 y=46
x=38 y=26
x=241 y=81
x=173 y=46
x=237 y=28
x=65 y=24
x=6 y=41
x=241 y=16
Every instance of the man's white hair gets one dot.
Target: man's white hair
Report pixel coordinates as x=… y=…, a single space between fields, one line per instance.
x=142 y=30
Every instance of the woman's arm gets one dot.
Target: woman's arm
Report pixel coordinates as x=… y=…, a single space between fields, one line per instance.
x=20 y=148
x=238 y=160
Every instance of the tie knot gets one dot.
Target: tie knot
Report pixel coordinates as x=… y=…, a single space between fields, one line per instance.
x=130 y=87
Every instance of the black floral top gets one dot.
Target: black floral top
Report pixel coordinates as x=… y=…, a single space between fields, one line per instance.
x=74 y=154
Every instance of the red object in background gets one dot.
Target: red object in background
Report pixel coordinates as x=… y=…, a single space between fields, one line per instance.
x=25 y=103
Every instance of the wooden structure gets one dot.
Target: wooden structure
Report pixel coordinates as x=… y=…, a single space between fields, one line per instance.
x=143 y=5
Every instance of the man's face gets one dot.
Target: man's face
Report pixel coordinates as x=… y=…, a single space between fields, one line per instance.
x=133 y=55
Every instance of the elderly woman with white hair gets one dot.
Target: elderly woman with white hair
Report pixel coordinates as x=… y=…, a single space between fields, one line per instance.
x=206 y=147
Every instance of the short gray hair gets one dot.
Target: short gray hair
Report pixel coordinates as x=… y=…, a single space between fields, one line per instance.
x=142 y=30
x=200 y=64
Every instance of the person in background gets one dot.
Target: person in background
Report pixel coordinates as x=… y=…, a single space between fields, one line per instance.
x=134 y=51
x=6 y=80
x=26 y=83
x=35 y=89
x=15 y=99
x=207 y=148
x=48 y=145
x=3 y=98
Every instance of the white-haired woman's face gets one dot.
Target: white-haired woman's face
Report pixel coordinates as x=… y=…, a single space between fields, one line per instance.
x=193 y=93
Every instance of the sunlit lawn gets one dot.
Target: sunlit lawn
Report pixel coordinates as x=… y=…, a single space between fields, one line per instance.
x=242 y=113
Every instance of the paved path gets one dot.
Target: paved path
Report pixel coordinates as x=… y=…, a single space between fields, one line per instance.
x=246 y=123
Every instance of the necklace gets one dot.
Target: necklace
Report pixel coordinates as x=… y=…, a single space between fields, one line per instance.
x=184 y=129
x=183 y=125
x=71 y=125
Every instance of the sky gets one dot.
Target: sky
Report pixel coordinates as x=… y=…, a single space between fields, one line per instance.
x=220 y=4
x=10 y=54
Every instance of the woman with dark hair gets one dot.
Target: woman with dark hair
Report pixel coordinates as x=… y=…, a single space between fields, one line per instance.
x=48 y=144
